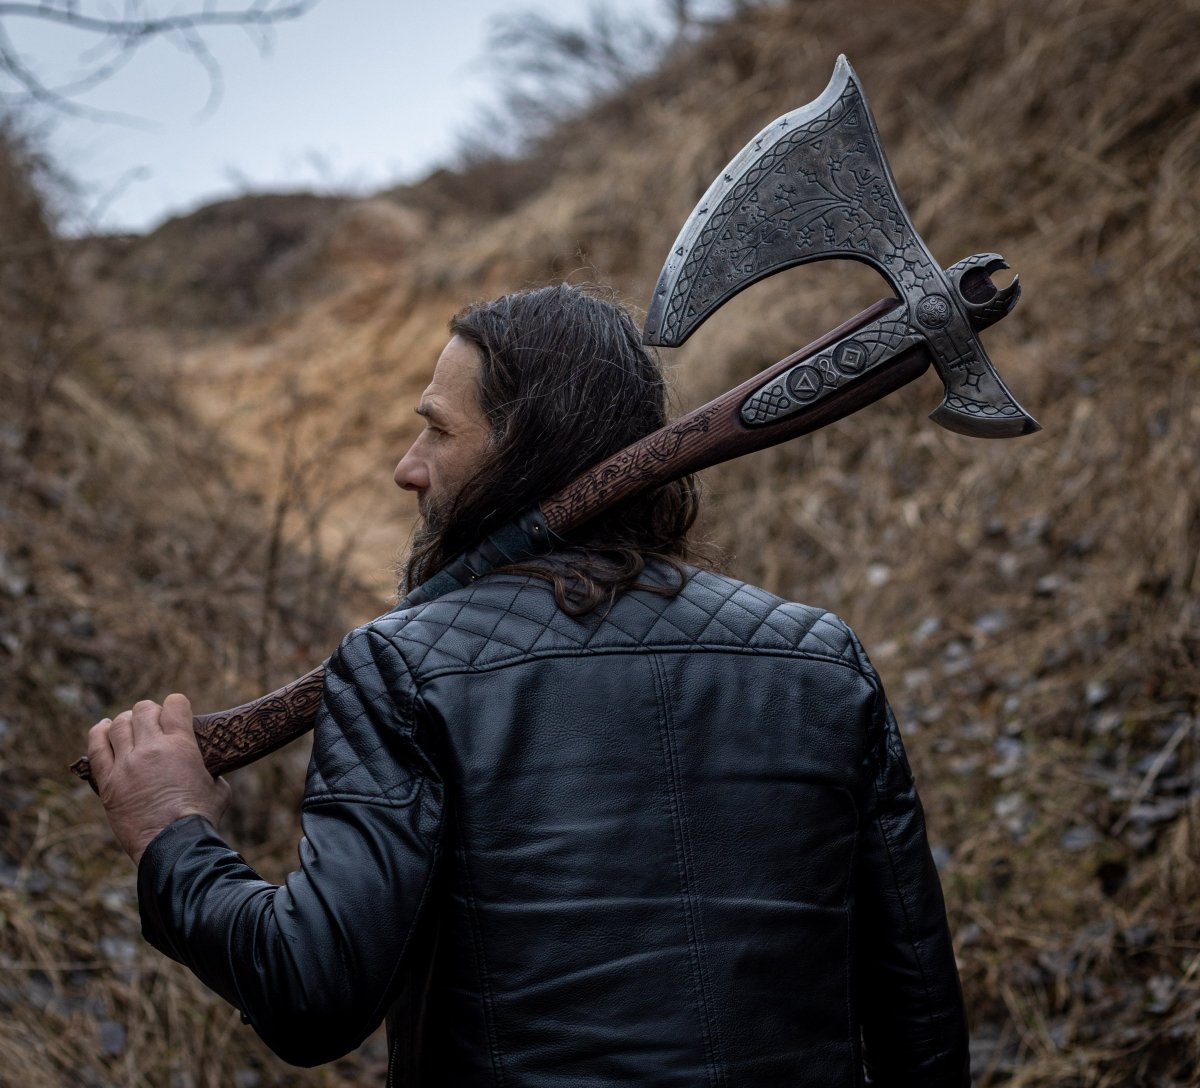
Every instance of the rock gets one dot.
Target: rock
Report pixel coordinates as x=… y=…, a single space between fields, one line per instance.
x=991 y=623
x=926 y=629
x=1048 y=585
x=1013 y=812
x=117 y=949
x=878 y=574
x=1161 y=991
x=1079 y=837
x=112 y=1038
x=1010 y=754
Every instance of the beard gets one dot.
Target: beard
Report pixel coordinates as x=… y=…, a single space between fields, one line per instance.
x=453 y=522
x=424 y=534
x=433 y=519
x=434 y=515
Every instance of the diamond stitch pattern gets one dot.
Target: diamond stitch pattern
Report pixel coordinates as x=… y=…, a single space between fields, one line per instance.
x=505 y=617
x=363 y=737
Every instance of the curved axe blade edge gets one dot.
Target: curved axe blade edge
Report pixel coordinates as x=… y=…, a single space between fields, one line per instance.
x=815 y=185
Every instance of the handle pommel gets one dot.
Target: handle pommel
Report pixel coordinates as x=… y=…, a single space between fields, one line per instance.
x=230 y=739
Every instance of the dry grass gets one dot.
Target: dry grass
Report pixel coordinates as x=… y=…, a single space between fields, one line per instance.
x=130 y=564
x=1034 y=606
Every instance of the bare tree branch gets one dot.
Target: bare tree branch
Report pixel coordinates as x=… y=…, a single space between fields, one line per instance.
x=59 y=98
x=549 y=71
x=258 y=13
x=119 y=38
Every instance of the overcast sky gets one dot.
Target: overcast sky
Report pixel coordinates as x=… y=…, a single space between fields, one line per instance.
x=355 y=94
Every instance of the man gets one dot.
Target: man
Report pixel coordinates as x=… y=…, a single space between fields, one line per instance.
x=599 y=818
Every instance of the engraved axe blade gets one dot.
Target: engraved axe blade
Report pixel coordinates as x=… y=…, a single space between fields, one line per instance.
x=815 y=185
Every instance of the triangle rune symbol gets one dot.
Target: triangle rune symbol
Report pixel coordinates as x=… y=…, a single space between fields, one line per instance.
x=804 y=382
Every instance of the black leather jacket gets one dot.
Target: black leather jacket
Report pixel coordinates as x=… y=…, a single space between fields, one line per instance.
x=678 y=844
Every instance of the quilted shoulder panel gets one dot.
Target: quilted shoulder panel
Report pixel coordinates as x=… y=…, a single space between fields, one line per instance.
x=363 y=744
x=504 y=618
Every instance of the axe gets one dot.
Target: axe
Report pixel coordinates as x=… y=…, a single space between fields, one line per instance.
x=813 y=185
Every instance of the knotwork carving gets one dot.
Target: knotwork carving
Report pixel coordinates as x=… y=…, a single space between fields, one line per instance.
x=233 y=738
x=630 y=470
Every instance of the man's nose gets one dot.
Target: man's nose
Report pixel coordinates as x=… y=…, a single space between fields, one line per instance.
x=411 y=473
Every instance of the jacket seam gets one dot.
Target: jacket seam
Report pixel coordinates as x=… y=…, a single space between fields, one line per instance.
x=385 y=1002
x=685 y=867
x=485 y=982
x=913 y=941
x=340 y=797
x=853 y=1028
x=659 y=650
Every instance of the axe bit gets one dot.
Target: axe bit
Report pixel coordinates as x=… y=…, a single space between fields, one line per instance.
x=813 y=185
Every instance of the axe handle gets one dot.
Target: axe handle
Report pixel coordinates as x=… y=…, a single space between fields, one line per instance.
x=233 y=738
x=715 y=432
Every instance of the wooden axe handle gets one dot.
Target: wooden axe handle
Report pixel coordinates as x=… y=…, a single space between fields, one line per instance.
x=232 y=738
x=715 y=433
x=711 y=434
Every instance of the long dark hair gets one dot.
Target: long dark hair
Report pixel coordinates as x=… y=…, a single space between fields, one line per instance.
x=564 y=382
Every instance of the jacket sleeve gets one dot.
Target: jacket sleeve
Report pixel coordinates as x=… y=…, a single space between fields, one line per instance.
x=314 y=964
x=911 y=1006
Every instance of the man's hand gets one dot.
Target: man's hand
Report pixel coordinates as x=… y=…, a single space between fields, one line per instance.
x=149 y=772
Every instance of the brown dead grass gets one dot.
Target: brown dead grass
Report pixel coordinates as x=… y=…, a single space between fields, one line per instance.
x=130 y=565
x=1032 y=605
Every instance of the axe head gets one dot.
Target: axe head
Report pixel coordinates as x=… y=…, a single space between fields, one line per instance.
x=815 y=185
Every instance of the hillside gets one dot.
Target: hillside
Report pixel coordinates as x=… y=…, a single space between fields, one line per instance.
x=1033 y=606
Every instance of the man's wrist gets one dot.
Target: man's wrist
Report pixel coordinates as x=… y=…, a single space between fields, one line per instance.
x=206 y=826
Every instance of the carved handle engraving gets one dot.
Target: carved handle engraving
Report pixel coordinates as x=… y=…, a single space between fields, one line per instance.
x=230 y=739
x=713 y=433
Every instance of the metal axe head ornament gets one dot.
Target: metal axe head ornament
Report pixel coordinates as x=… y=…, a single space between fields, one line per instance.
x=815 y=185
